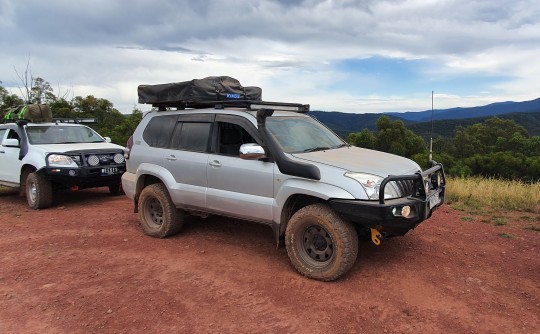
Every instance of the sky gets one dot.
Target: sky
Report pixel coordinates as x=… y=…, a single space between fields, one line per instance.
x=350 y=56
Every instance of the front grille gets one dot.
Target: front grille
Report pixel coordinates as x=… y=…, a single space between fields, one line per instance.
x=405 y=187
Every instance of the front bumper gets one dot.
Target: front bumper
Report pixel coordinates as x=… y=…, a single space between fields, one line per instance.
x=85 y=177
x=385 y=215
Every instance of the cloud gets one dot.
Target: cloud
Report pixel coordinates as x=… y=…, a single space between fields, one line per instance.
x=294 y=50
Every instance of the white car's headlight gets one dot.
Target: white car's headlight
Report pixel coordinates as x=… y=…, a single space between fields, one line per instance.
x=371 y=184
x=60 y=160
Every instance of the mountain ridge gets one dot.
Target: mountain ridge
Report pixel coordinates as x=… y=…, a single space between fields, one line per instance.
x=526 y=113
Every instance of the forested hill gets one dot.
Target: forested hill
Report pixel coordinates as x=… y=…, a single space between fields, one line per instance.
x=525 y=113
x=345 y=123
x=493 y=109
x=446 y=128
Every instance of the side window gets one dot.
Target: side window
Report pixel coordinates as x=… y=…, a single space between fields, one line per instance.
x=159 y=130
x=2 y=133
x=12 y=134
x=230 y=137
x=192 y=136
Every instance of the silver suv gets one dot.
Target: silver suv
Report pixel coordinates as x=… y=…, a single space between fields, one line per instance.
x=271 y=163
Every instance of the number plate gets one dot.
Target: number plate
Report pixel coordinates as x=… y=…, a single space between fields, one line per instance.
x=109 y=171
x=434 y=200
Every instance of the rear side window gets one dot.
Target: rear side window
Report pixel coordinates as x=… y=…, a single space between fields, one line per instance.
x=159 y=130
x=192 y=136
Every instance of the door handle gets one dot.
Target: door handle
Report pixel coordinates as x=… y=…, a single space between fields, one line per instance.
x=2 y=151
x=214 y=163
x=171 y=158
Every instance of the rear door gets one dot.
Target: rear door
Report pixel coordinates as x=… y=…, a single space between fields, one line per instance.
x=187 y=159
x=237 y=187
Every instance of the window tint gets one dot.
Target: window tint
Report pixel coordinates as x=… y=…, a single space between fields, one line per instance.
x=231 y=137
x=192 y=136
x=159 y=129
x=13 y=135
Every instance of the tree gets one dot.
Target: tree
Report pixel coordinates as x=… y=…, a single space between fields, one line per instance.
x=7 y=101
x=494 y=135
x=392 y=137
x=365 y=139
x=41 y=91
x=124 y=130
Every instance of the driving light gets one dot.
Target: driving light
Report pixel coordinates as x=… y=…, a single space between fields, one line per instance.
x=92 y=160
x=118 y=158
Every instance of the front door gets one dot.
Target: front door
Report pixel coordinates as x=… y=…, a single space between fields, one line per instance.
x=9 y=159
x=238 y=187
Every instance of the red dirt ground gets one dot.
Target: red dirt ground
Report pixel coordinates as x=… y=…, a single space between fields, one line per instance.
x=85 y=266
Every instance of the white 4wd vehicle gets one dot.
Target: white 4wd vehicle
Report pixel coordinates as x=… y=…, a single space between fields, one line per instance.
x=266 y=163
x=40 y=158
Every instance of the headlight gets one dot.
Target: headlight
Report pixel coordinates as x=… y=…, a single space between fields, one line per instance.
x=60 y=160
x=371 y=184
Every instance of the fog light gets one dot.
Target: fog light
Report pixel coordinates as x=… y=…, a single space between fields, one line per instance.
x=55 y=170
x=406 y=211
x=72 y=172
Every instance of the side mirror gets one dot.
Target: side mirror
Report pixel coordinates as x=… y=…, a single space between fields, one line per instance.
x=252 y=151
x=107 y=139
x=10 y=142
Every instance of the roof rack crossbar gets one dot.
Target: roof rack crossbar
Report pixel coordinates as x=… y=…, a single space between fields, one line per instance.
x=250 y=104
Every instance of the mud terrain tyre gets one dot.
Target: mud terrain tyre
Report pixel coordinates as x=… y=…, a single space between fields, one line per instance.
x=38 y=191
x=158 y=216
x=320 y=244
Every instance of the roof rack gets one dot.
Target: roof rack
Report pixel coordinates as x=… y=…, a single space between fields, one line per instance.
x=249 y=104
x=73 y=120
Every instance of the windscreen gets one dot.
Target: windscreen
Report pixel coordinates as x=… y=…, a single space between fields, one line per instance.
x=302 y=134
x=58 y=134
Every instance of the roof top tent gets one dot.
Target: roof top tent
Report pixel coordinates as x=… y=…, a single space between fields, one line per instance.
x=217 y=92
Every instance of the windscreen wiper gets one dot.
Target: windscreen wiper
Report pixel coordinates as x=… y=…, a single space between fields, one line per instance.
x=314 y=149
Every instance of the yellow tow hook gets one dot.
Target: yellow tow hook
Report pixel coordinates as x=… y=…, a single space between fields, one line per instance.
x=375 y=235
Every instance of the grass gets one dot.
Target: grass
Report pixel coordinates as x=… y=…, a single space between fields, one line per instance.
x=506 y=235
x=499 y=221
x=475 y=194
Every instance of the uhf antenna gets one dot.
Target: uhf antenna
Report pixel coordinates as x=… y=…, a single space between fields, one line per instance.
x=431 y=134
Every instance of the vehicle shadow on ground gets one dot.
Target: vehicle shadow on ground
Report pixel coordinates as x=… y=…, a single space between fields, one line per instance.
x=259 y=238
x=63 y=197
x=5 y=192
x=79 y=197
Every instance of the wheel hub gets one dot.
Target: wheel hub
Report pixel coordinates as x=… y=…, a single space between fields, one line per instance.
x=318 y=244
x=156 y=212
x=33 y=191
